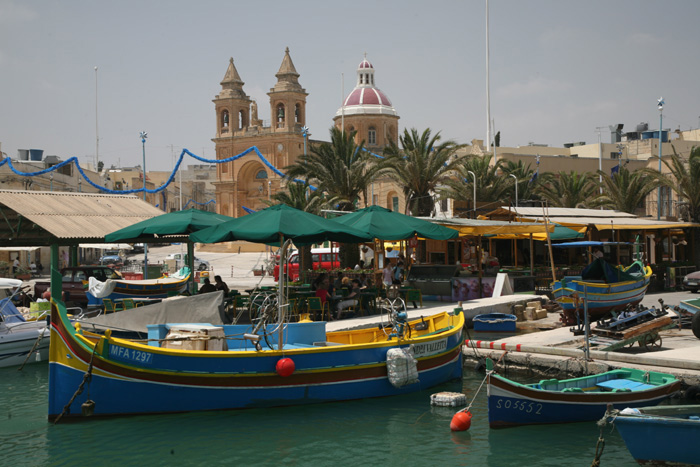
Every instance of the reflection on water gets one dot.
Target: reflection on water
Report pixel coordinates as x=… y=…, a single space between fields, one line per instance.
x=402 y=430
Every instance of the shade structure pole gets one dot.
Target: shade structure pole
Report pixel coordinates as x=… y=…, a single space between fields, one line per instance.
x=190 y=264
x=281 y=302
x=660 y=106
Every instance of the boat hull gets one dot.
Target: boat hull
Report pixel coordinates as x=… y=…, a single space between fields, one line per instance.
x=128 y=378
x=602 y=298
x=513 y=404
x=18 y=340
x=662 y=439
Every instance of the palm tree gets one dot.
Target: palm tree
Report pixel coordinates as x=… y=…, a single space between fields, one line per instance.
x=624 y=191
x=685 y=182
x=342 y=170
x=421 y=167
x=491 y=187
x=567 y=189
x=524 y=176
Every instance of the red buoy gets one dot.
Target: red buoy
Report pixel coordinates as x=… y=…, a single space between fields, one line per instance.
x=461 y=421
x=285 y=367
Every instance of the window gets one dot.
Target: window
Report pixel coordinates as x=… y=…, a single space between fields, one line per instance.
x=372 y=136
x=224 y=118
x=395 y=204
x=261 y=174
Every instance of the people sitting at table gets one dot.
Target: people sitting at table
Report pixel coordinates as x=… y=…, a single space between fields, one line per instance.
x=221 y=285
x=320 y=287
x=364 y=281
x=338 y=284
x=351 y=299
x=207 y=287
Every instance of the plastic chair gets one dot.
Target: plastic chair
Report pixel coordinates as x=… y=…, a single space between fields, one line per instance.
x=414 y=295
x=314 y=305
x=129 y=303
x=110 y=307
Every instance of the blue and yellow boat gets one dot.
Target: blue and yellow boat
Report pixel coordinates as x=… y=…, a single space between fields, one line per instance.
x=604 y=287
x=202 y=367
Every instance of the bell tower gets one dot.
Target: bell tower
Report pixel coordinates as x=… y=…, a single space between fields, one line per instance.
x=232 y=105
x=287 y=99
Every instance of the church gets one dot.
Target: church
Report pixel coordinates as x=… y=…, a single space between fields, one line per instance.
x=250 y=180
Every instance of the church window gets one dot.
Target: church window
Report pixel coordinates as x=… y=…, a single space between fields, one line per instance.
x=261 y=174
x=362 y=79
x=372 y=136
x=224 y=118
x=395 y=203
x=242 y=119
x=297 y=114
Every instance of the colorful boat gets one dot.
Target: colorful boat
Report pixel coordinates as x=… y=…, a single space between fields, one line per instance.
x=574 y=400
x=604 y=287
x=114 y=289
x=184 y=368
x=495 y=322
x=21 y=339
x=663 y=435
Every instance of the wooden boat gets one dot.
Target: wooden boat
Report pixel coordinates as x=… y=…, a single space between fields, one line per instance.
x=663 y=435
x=21 y=339
x=115 y=289
x=574 y=400
x=604 y=287
x=495 y=322
x=692 y=307
x=208 y=367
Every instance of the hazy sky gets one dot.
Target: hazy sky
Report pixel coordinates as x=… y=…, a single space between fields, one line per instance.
x=559 y=69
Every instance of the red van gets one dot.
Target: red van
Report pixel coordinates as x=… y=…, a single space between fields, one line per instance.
x=321 y=258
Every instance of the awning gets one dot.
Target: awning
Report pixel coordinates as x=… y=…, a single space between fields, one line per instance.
x=475 y=227
x=107 y=246
x=19 y=248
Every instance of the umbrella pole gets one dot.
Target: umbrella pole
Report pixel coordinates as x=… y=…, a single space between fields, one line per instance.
x=280 y=293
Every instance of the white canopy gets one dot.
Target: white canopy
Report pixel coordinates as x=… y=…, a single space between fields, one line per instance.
x=107 y=246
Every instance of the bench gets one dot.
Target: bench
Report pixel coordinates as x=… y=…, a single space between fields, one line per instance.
x=614 y=384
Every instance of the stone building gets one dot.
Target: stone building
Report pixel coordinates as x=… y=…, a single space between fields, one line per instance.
x=250 y=180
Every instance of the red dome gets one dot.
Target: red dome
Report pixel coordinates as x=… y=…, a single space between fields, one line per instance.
x=367 y=96
x=365 y=64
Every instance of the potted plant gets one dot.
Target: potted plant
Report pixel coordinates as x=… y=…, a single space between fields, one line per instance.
x=23 y=274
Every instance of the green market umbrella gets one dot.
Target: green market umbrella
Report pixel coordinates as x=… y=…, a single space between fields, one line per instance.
x=177 y=223
x=277 y=223
x=385 y=224
x=173 y=223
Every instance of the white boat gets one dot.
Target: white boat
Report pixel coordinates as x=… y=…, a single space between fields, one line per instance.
x=20 y=336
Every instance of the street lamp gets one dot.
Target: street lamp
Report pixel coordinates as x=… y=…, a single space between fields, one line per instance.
x=474 y=175
x=143 y=136
x=516 y=189
x=269 y=189
x=305 y=133
x=660 y=104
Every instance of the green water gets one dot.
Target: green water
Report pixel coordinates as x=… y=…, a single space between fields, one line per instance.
x=402 y=431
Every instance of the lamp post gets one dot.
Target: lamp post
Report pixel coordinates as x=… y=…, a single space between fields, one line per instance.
x=51 y=178
x=97 y=133
x=269 y=190
x=516 y=189
x=474 y=175
x=305 y=133
x=660 y=104
x=143 y=136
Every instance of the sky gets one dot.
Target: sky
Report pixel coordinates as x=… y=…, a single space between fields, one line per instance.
x=558 y=69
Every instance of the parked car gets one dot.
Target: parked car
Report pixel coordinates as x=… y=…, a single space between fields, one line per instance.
x=199 y=264
x=692 y=281
x=75 y=282
x=321 y=258
x=111 y=260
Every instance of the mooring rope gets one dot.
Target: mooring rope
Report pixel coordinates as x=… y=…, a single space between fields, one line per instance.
x=86 y=379
x=34 y=347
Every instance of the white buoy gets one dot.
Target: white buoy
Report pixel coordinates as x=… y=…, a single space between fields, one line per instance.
x=448 y=399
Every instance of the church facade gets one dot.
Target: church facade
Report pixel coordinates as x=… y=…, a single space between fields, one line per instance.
x=251 y=180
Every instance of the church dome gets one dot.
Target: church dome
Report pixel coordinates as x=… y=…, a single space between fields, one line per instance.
x=366 y=98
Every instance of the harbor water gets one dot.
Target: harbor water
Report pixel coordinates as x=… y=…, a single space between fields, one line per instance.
x=402 y=430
